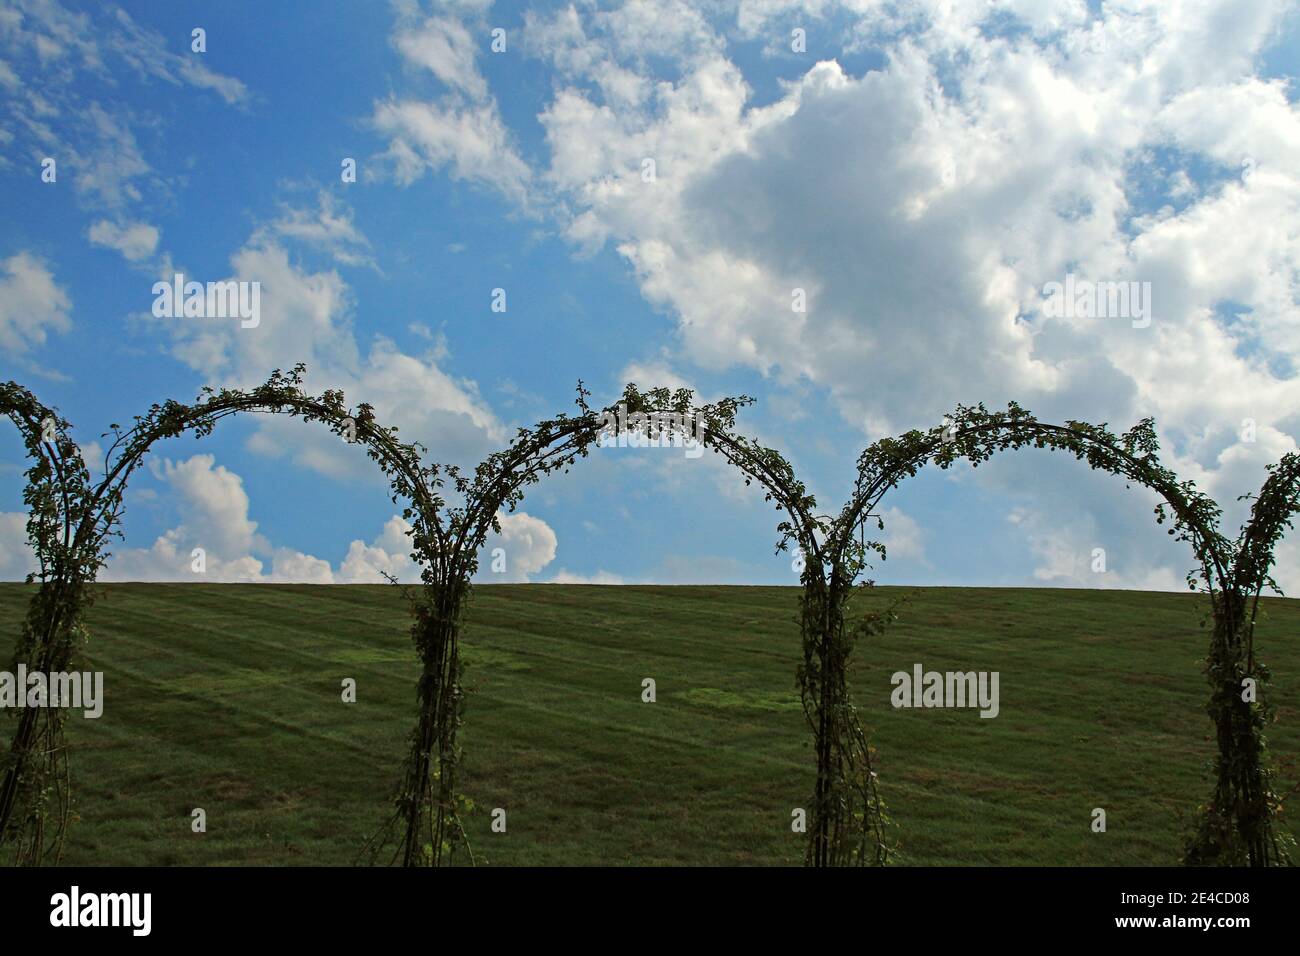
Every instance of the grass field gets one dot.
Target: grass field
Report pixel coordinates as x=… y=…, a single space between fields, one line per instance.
x=227 y=697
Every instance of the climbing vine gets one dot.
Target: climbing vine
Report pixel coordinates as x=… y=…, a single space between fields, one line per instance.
x=34 y=772
x=428 y=806
x=450 y=513
x=1237 y=826
x=72 y=519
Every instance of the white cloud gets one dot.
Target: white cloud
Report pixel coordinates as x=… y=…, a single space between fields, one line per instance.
x=134 y=240
x=903 y=538
x=600 y=577
x=461 y=128
x=17 y=559
x=654 y=373
x=527 y=544
x=215 y=509
x=64 y=42
x=1074 y=554
x=328 y=227
x=54 y=58
x=146 y=52
x=32 y=304
x=472 y=140
x=446 y=48
x=307 y=317
x=216 y=518
x=107 y=160
x=922 y=207
x=389 y=555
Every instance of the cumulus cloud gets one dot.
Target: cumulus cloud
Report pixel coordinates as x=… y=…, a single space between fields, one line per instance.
x=107 y=161
x=444 y=47
x=525 y=543
x=1078 y=551
x=917 y=210
x=17 y=559
x=920 y=210
x=524 y=546
x=134 y=240
x=903 y=538
x=217 y=520
x=600 y=577
x=328 y=227
x=32 y=304
x=459 y=128
x=307 y=316
x=387 y=557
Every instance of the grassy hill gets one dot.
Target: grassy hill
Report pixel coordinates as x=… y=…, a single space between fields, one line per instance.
x=227 y=697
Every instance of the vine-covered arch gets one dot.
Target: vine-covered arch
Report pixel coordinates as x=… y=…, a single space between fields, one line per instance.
x=56 y=481
x=1237 y=825
x=429 y=805
x=446 y=540
x=73 y=518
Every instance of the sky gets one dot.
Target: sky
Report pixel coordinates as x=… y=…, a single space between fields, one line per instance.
x=856 y=212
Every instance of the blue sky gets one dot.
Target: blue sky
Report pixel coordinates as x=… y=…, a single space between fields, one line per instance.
x=920 y=170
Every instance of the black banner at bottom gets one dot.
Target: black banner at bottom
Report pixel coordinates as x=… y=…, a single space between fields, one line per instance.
x=331 y=906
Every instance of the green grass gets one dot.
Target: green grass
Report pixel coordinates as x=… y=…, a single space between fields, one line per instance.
x=228 y=698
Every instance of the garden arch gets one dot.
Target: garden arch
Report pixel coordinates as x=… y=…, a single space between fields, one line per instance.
x=1237 y=825
x=445 y=539
x=431 y=821
x=55 y=495
x=72 y=520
